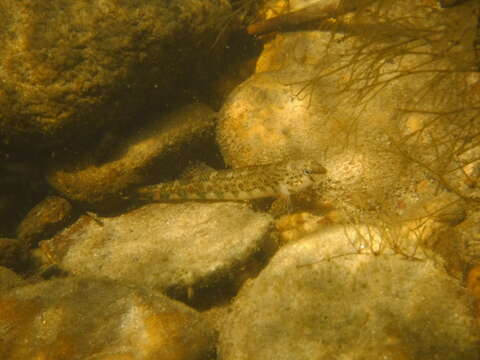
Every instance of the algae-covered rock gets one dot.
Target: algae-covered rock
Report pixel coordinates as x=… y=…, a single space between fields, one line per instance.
x=344 y=294
x=262 y=121
x=172 y=247
x=69 y=68
x=377 y=98
x=90 y=319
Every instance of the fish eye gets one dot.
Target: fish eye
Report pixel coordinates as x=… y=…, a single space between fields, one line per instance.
x=307 y=171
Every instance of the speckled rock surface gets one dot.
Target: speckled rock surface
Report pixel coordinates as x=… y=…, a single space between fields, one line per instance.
x=284 y=113
x=173 y=247
x=329 y=296
x=8 y=279
x=91 y=319
x=44 y=220
x=263 y=121
x=144 y=156
x=277 y=115
x=69 y=68
x=374 y=124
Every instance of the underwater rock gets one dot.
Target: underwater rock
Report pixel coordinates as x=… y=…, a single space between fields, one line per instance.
x=44 y=220
x=177 y=248
x=70 y=68
x=8 y=279
x=262 y=121
x=344 y=293
x=152 y=152
x=367 y=183
x=12 y=253
x=266 y=119
x=375 y=124
x=77 y=318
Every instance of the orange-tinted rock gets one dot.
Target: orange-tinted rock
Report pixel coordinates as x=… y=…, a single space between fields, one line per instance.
x=81 y=318
x=310 y=97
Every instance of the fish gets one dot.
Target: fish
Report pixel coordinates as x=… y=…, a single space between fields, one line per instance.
x=280 y=180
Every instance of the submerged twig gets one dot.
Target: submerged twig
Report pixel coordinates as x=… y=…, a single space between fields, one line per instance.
x=313 y=14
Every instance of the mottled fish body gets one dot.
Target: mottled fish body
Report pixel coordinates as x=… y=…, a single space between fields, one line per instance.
x=252 y=182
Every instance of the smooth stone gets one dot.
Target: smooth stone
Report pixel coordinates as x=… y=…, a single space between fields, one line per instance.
x=77 y=318
x=173 y=247
x=345 y=293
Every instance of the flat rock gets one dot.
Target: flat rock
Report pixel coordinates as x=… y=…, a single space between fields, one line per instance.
x=145 y=156
x=172 y=247
x=69 y=68
x=344 y=293
x=91 y=319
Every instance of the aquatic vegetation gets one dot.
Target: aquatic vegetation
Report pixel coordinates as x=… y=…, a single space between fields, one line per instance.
x=421 y=58
x=242 y=12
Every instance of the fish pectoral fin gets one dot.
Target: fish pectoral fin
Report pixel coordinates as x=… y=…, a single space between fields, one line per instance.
x=281 y=206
